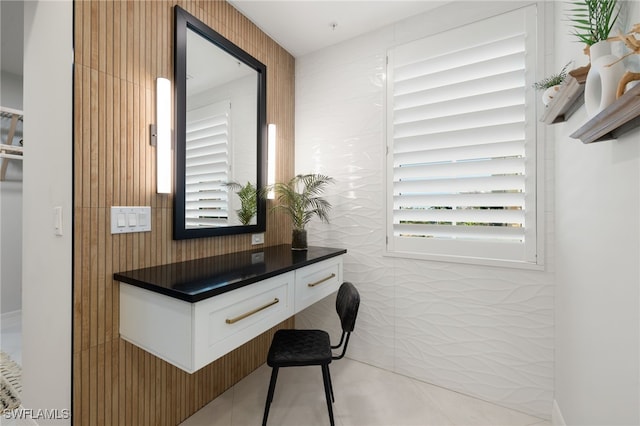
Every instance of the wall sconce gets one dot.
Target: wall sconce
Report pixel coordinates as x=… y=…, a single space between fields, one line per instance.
x=271 y=159
x=163 y=135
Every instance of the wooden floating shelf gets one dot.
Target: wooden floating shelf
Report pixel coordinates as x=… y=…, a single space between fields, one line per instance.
x=569 y=98
x=618 y=118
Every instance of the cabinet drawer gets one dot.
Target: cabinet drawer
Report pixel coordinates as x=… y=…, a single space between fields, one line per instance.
x=317 y=281
x=225 y=322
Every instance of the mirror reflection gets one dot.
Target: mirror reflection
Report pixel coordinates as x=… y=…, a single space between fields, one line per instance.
x=220 y=140
x=220 y=134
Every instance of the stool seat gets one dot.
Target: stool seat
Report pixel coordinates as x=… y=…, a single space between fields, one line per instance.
x=295 y=348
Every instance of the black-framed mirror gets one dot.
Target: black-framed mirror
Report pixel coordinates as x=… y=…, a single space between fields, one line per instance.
x=220 y=133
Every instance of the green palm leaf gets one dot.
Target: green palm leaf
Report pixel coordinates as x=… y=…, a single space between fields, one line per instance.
x=593 y=20
x=301 y=200
x=248 y=195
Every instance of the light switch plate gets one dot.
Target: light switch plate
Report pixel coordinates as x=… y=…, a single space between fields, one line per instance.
x=257 y=239
x=127 y=219
x=57 y=220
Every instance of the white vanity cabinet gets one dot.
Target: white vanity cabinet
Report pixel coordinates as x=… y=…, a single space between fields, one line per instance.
x=221 y=316
x=191 y=335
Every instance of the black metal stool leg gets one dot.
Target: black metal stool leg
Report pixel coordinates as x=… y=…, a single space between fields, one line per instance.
x=333 y=398
x=327 y=390
x=272 y=387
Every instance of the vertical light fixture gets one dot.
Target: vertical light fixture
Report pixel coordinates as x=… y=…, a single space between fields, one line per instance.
x=163 y=138
x=271 y=159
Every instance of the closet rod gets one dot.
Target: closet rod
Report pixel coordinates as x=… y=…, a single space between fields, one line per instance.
x=11 y=156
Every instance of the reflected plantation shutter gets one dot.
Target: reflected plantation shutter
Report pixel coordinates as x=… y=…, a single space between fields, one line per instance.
x=207 y=165
x=462 y=136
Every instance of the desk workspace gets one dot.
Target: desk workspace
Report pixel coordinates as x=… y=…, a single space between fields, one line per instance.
x=192 y=313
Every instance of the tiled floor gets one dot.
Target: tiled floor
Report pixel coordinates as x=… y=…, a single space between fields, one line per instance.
x=11 y=336
x=365 y=396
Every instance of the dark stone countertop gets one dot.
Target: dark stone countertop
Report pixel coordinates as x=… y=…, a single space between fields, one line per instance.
x=200 y=279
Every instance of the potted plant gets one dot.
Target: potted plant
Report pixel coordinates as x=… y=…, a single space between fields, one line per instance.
x=551 y=84
x=300 y=198
x=248 y=195
x=592 y=21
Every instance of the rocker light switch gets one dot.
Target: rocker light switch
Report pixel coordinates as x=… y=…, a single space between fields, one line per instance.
x=142 y=219
x=128 y=219
x=133 y=219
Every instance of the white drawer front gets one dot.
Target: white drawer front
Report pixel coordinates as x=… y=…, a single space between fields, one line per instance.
x=224 y=322
x=317 y=281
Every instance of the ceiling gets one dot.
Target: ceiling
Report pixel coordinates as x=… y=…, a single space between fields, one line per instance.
x=304 y=26
x=300 y=26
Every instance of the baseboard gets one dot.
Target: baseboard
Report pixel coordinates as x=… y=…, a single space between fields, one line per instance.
x=10 y=319
x=556 y=415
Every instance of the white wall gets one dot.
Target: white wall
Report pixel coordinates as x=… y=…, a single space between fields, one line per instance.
x=483 y=331
x=10 y=89
x=47 y=258
x=11 y=14
x=11 y=205
x=598 y=269
x=11 y=239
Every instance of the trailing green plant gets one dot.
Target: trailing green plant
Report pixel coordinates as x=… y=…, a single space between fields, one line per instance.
x=593 y=20
x=300 y=198
x=552 y=80
x=248 y=195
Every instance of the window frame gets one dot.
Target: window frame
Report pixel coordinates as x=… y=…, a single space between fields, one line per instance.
x=534 y=252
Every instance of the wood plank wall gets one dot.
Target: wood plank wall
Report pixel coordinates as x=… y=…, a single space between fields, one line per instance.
x=120 y=48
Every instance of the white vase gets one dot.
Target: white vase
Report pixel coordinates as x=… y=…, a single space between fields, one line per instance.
x=602 y=79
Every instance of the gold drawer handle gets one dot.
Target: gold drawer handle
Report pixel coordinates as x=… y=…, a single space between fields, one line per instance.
x=322 y=280
x=248 y=314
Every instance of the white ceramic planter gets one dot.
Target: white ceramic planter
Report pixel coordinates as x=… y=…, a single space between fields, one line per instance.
x=549 y=93
x=602 y=80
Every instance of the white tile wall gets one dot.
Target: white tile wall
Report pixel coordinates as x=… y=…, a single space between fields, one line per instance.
x=484 y=331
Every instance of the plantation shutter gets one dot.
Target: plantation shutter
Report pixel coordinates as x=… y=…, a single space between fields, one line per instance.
x=207 y=166
x=462 y=141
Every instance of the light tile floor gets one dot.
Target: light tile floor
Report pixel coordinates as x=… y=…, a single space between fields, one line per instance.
x=365 y=396
x=11 y=336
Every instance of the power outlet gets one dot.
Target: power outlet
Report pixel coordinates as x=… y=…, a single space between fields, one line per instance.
x=257 y=239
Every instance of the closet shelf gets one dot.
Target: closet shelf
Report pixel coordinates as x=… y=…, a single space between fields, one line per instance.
x=568 y=99
x=9 y=151
x=618 y=118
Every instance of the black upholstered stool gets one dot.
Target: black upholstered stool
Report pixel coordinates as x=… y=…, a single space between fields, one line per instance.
x=297 y=348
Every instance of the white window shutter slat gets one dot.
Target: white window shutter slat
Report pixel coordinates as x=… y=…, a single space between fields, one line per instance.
x=207 y=165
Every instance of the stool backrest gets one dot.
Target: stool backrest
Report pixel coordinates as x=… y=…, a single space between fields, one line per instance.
x=347 y=304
